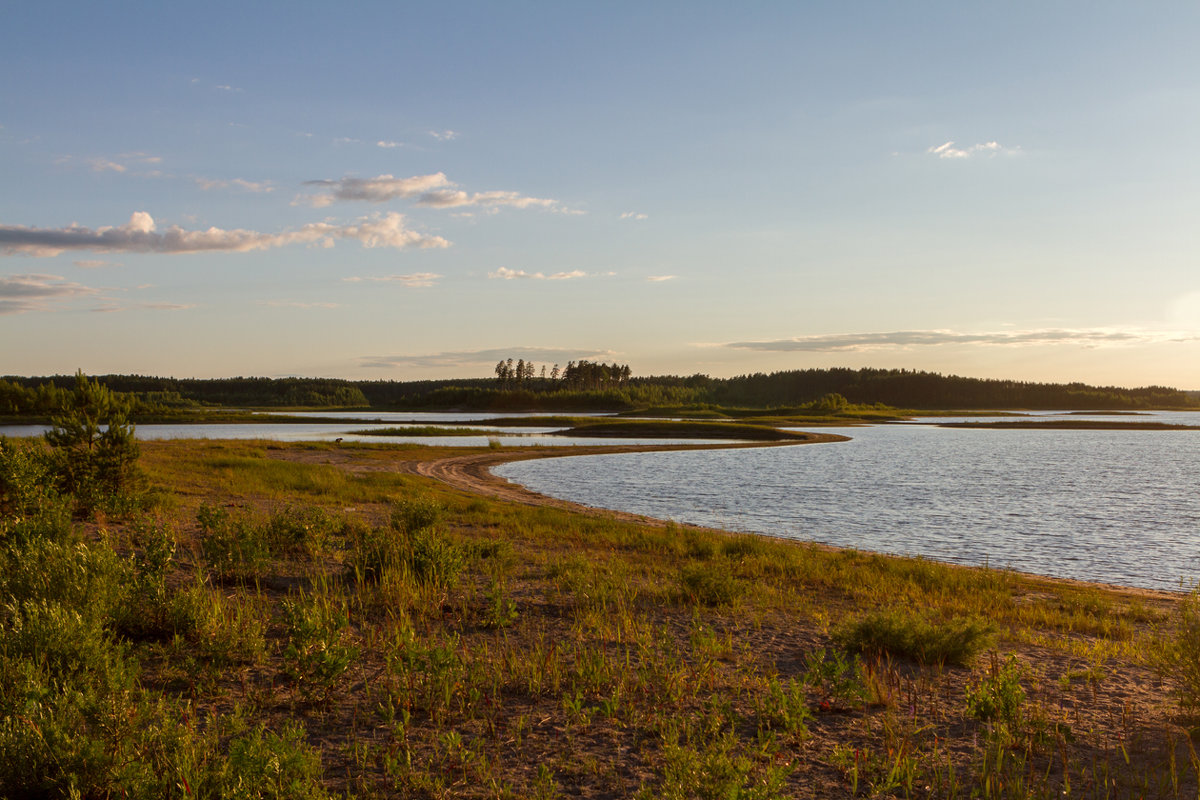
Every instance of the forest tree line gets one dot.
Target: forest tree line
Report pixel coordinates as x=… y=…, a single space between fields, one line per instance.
x=590 y=385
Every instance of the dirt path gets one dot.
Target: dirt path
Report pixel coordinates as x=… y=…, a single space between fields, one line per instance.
x=473 y=473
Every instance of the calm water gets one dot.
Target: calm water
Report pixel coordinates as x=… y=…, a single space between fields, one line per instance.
x=513 y=436
x=1111 y=506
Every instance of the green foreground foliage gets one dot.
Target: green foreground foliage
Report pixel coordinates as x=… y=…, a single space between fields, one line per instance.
x=314 y=621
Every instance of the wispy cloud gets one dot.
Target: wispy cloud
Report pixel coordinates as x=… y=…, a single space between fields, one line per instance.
x=948 y=150
x=296 y=304
x=118 y=163
x=660 y=278
x=388 y=145
x=849 y=342
x=633 y=215
x=506 y=274
x=140 y=235
x=432 y=191
x=96 y=264
x=416 y=279
x=444 y=136
x=32 y=292
x=257 y=187
x=113 y=308
x=483 y=358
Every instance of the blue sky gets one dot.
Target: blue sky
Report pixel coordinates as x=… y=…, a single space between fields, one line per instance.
x=384 y=190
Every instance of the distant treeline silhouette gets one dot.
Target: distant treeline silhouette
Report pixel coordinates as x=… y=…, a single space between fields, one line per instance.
x=600 y=386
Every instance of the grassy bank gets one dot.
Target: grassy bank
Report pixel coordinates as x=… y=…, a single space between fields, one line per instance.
x=309 y=620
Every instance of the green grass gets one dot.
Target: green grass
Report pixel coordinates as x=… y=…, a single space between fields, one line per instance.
x=398 y=638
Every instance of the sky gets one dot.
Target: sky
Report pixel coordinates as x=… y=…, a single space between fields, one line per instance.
x=418 y=190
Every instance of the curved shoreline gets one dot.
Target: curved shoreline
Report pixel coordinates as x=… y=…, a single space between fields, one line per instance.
x=472 y=473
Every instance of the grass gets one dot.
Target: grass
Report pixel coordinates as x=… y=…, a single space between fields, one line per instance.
x=382 y=635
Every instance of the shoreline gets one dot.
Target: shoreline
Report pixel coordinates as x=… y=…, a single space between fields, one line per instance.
x=472 y=473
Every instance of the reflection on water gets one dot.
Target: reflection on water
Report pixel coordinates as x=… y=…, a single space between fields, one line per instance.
x=1110 y=506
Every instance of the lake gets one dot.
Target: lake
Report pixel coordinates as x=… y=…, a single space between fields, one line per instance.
x=1109 y=506
x=300 y=431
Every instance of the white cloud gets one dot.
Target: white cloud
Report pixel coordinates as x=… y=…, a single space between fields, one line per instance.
x=388 y=145
x=31 y=292
x=948 y=150
x=504 y=273
x=374 y=190
x=485 y=358
x=850 y=342
x=140 y=235
x=432 y=191
x=444 y=136
x=660 y=278
x=104 y=165
x=416 y=279
x=633 y=215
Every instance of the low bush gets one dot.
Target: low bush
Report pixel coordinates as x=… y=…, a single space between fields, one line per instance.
x=710 y=584
x=235 y=548
x=901 y=633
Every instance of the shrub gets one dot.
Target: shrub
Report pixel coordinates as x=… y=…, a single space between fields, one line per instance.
x=433 y=558
x=95 y=453
x=146 y=611
x=269 y=766
x=902 y=633
x=1181 y=654
x=224 y=630
x=315 y=655
x=999 y=696
x=710 y=584
x=234 y=547
x=91 y=580
x=409 y=516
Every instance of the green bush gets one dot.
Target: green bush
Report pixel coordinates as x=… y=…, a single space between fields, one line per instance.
x=146 y=611
x=264 y=765
x=901 y=633
x=999 y=696
x=91 y=580
x=710 y=584
x=234 y=547
x=1180 y=655
x=411 y=515
x=316 y=656
x=95 y=453
x=223 y=630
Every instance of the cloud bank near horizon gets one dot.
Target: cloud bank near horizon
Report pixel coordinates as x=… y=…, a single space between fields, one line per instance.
x=850 y=342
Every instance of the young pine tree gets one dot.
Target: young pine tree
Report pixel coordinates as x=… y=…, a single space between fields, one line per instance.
x=94 y=451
